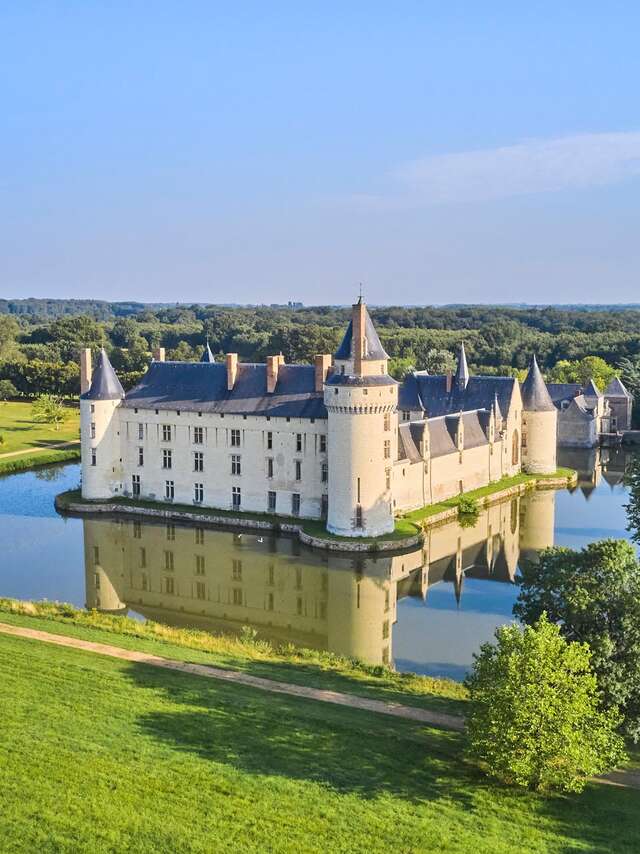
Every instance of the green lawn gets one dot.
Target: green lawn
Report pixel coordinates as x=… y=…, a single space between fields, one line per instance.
x=102 y=755
x=21 y=433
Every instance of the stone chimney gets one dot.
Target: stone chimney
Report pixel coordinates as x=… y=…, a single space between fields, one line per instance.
x=358 y=324
x=159 y=354
x=273 y=364
x=322 y=365
x=232 y=370
x=85 y=370
x=449 y=381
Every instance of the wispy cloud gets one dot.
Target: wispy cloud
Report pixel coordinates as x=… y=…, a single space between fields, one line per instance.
x=532 y=166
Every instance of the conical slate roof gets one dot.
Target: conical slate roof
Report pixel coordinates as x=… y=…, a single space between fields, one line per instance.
x=535 y=396
x=373 y=351
x=105 y=384
x=616 y=388
x=462 y=371
x=207 y=355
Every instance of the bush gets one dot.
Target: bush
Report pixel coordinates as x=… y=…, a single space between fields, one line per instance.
x=535 y=716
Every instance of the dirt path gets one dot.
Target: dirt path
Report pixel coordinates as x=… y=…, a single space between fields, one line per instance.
x=381 y=706
x=40 y=448
x=630 y=779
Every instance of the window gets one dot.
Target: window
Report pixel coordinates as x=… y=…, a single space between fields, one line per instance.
x=236 y=498
x=235 y=438
x=271 y=575
x=137 y=530
x=93 y=430
x=236 y=569
x=515 y=448
x=171 y=532
x=198 y=461
x=93 y=408
x=135 y=485
x=94 y=459
x=387 y=449
x=169 y=490
x=269 y=467
x=298 y=470
x=235 y=464
x=295 y=504
x=145 y=581
x=143 y=557
x=299 y=443
x=199 y=564
x=169 y=586
x=140 y=431
x=385 y=630
x=96 y=554
x=358 y=516
x=271 y=502
x=387 y=476
x=166 y=432
x=166 y=459
x=198 y=435
x=199 y=533
x=270 y=602
x=168 y=561
x=323 y=444
x=387 y=421
x=324 y=505
x=406 y=415
x=201 y=591
x=299 y=606
x=269 y=441
x=237 y=596
x=140 y=456
x=325 y=472
x=198 y=493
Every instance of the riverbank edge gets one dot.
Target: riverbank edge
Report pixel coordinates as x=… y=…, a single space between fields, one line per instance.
x=32 y=460
x=71 y=502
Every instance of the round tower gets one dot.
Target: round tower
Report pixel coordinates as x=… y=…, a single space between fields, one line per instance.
x=539 y=424
x=99 y=434
x=361 y=400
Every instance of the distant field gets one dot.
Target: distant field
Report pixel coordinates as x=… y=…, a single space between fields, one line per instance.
x=31 y=440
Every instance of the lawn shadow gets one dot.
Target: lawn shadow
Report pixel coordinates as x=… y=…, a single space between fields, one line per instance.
x=345 y=749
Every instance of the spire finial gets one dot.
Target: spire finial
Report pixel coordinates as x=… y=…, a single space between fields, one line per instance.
x=360 y=295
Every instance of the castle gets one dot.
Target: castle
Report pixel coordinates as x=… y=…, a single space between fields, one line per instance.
x=340 y=440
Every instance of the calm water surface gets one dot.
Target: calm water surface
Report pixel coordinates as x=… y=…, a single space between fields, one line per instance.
x=426 y=612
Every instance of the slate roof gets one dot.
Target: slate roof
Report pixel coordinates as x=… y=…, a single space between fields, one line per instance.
x=592 y=390
x=535 y=396
x=374 y=351
x=105 y=385
x=202 y=387
x=563 y=391
x=420 y=391
x=616 y=389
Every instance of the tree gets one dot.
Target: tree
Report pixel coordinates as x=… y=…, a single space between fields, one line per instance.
x=594 y=597
x=535 y=716
x=589 y=368
x=439 y=361
x=8 y=333
x=48 y=409
x=7 y=389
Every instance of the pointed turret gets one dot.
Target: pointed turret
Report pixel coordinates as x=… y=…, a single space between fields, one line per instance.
x=105 y=384
x=535 y=396
x=620 y=403
x=462 y=371
x=361 y=352
x=539 y=424
x=207 y=355
x=616 y=389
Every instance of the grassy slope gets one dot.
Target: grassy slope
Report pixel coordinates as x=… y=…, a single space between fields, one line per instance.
x=20 y=433
x=102 y=755
x=288 y=664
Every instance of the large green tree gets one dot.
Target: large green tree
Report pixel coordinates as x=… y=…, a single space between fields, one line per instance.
x=594 y=597
x=535 y=716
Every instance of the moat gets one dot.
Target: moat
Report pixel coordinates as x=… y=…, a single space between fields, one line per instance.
x=426 y=611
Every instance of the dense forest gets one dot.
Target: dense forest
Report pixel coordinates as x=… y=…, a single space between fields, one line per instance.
x=40 y=339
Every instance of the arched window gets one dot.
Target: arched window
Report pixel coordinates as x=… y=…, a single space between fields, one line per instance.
x=515 y=448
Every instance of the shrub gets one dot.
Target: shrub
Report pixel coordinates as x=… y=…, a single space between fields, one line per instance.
x=535 y=716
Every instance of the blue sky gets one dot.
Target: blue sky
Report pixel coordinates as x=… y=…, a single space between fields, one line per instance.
x=438 y=152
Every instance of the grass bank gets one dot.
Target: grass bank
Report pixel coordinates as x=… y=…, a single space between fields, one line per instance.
x=104 y=755
x=38 y=459
x=32 y=440
x=286 y=662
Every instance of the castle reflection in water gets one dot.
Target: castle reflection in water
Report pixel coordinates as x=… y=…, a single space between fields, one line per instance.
x=221 y=581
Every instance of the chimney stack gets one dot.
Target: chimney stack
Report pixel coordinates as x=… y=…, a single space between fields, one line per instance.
x=159 y=354
x=449 y=381
x=273 y=364
x=85 y=370
x=232 y=370
x=358 y=323
x=322 y=365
